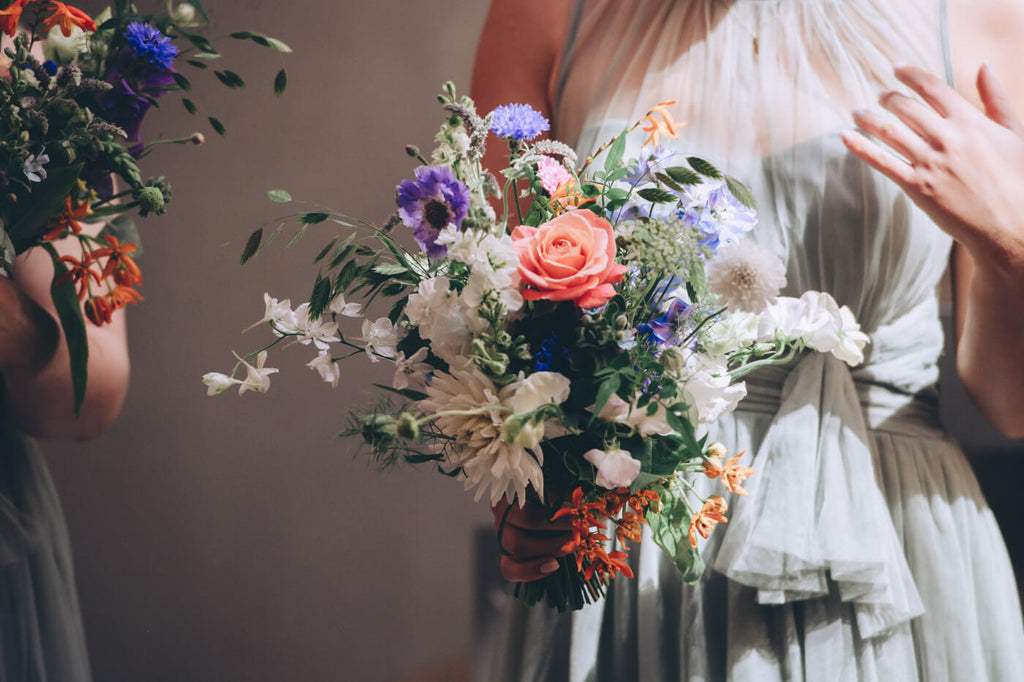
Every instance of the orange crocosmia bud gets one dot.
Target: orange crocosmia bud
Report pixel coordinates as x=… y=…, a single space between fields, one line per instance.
x=98 y=310
x=68 y=17
x=733 y=475
x=712 y=467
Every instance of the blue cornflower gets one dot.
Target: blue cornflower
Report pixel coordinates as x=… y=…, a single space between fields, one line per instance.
x=552 y=356
x=518 y=122
x=435 y=200
x=150 y=44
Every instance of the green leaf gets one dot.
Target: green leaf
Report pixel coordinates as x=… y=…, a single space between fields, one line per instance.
x=250 y=246
x=280 y=82
x=656 y=195
x=198 y=64
x=740 y=191
x=182 y=82
x=29 y=218
x=605 y=391
x=404 y=392
x=199 y=41
x=65 y=301
x=190 y=106
x=684 y=176
x=217 y=126
x=327 y=249
x=704 y=168
x=668 y=181
x=320 y=297
x=670 y=530
x=207 y=56
x=280 y=196
x=124 y=228
x=313 y=218
x=615 y=153
x=261 y=39
x=230 y=78
x=390 y=269
x=273 y=235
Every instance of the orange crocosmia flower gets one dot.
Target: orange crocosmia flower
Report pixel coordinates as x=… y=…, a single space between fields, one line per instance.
x=567 y=197
x=641 y=499
x=657 y=127
x=706 y=519
x=98 y=310
x=734 y=474
x=68 y=17
x=629 y=527
x=119 y=262
x=79 y=271
x=10 y=17
x=69 y=219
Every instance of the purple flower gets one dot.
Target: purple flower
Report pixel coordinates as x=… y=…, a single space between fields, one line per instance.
x=435 y=200
x=518 y=122
x=652 y=160
x=663 y=330
x=150 y=44
x=720 y=216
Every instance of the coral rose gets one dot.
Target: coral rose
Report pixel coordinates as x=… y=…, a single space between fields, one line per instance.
x=570 y=258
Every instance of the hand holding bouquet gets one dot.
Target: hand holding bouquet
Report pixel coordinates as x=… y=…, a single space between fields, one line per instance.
x=570 y=355
x=74 y=93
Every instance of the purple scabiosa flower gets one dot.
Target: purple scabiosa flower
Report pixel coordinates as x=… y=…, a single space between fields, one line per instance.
x=150 y=44
x=663 y=330
x=518 y=122
x=432 y=202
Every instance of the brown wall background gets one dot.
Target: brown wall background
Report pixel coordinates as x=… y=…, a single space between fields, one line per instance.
x=233 y=538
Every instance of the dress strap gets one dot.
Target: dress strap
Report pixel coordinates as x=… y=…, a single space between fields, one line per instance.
x=561 y=71
x=947 y=52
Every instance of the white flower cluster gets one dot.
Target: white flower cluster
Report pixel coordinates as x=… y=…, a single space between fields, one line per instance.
x=475 y=412
x=818 y=321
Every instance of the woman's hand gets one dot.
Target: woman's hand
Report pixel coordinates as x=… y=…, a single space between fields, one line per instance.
x=964 y=168
x=530 y=542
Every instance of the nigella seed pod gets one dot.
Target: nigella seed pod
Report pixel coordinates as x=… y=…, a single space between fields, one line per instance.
x=407 y=427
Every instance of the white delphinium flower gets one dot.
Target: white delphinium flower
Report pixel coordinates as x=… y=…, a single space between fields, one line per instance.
x=480 y=449
x=746 y=276
x=615 y=468
x=435 y=309
x=327 y=367
x=218 y=383
x=320 y=332
x=730 y=333
x=339 y=306
x=34 y=166
x=380 y=337
x=278 y=313
x=411 y=372
x=257 y=378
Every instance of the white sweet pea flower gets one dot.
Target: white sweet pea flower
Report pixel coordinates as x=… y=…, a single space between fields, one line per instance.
x=327 y=367
x=540 y=388
x=218 y=383
x=380 y=338
x=411 y=372
x=615 y=468
x=732 y=332
x=618 y=410
x=339 y=306
x=63 y=50
x=852 y=340
x=709 y=389
x=258 y=377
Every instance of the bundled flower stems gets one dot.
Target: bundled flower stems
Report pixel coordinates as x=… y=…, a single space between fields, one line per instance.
x=582 y=344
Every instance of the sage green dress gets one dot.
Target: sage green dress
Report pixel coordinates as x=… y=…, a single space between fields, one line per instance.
x=865 y=551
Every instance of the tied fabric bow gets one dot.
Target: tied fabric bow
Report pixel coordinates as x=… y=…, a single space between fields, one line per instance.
x=816 y=519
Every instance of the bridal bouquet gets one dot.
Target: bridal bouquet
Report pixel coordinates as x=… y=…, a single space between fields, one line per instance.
x=70 y=124
x=567 y=349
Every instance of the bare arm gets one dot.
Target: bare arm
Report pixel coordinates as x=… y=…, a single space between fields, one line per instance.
x=966 y=170
x=34 y=356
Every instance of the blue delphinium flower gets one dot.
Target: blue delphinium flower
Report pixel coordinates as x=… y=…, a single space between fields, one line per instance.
x=518 y=122
x=652 y=160
x=432 y=202
x=150 y=44
x=33 y=167
x=719 y=215
x=552 y=356
x=664 y=330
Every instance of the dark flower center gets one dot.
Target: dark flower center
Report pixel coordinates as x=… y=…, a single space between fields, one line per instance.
x=436 y=214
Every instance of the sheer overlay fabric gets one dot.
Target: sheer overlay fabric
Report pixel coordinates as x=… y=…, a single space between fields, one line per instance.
x=865 y=550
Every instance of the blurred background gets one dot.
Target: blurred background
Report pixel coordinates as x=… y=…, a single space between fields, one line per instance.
x=227 y=538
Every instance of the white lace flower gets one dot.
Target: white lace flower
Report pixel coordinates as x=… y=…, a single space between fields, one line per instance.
x=257 y=378
x=339 y=306
x=218 y=383
x=411 y=372
x=746 y=276
x=615 y=468
x=380 y=337
x=327 y=367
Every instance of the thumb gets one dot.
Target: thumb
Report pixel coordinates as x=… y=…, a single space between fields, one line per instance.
x=997 y=106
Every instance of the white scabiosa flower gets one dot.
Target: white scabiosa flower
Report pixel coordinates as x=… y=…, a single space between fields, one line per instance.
x=746 y=276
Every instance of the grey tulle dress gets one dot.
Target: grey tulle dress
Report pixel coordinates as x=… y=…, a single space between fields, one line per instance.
x=865 y=550
x=41 y=634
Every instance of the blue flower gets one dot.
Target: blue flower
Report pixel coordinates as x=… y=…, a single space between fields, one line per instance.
x=721 y=217
x=552 y=356
x=435 y=200
x=518 y=122
x=652 y=160
x=150 y=44
x=664 y=331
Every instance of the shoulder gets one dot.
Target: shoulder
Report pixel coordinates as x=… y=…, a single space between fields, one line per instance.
x=988 y=30
x=519 y=48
